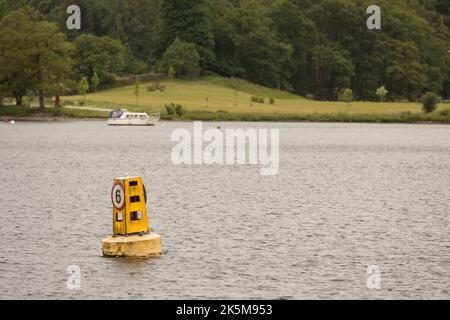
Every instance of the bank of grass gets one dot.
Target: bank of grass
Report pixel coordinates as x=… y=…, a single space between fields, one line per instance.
x=402 y=117
x=17 y=112
x=442 y=115
x=248 y=87
x=221 y=99
x=206 y=96
x=231 y=95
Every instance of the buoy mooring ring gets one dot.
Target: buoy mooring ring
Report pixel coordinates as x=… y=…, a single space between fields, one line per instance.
x=147 y=245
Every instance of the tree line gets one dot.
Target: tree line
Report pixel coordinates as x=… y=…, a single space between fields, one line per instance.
x=316 y=48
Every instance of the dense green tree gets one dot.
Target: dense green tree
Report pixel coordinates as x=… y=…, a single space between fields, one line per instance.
x=296 y=29
x=405 y=73
x=190 y=21
x=331 y=71
x=141 y=27
x=34 y=55
x=416 y=57
x=16 y=75
x=183 y=58
x=101 y=55
x=248 y=46
x=50 y=56
x=7 y=6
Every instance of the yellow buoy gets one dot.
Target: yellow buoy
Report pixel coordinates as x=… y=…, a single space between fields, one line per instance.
x=131 y=230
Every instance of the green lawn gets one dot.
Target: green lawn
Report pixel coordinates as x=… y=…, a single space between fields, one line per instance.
x=217 y=98
x=233 y=96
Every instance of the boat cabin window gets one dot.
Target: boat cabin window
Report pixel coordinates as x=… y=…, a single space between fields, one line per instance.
x=116 y=114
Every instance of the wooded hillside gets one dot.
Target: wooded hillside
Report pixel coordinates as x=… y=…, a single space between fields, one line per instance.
x=310 y=47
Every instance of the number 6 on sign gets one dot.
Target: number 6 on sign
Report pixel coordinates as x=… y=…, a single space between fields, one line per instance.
x=118 y=196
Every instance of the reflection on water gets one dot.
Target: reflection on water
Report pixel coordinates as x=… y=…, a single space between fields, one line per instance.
x=347 y=196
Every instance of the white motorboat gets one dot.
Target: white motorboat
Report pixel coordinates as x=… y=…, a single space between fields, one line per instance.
x=126 y=118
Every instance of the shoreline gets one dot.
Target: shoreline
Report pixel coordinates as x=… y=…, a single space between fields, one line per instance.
x=46 y=119
x=52 y=114
x=5 y=119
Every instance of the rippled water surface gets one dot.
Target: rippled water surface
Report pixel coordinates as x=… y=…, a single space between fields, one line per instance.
x=347 y=196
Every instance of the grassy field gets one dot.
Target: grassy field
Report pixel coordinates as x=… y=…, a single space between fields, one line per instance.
x=217 y=98
x=233 y=96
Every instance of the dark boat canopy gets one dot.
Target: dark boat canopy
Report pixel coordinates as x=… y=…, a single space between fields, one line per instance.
x=115 y=114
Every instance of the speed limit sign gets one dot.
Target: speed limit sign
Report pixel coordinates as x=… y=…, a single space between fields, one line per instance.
x=118 y=196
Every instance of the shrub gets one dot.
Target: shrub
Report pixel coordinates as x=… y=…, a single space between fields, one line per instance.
x=81 y=103
x=56 y=112
x=445 y=112
x=430 y=101
x=179 y=110
x=257 y=99
x=272 y=101
x=174 y=109
x=156 y=86
x=169 y=109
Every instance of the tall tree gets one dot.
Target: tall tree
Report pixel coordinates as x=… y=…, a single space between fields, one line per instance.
x=16 y=74
x=248 y=45
x=183 y=58
x=331 y=70
x=190 y=21
x=98 y=55
x=50 y=54
x=405 y=74
x=34 y=55
x=295 y=28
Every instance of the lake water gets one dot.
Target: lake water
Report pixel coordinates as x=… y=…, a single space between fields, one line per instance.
x=347 y=196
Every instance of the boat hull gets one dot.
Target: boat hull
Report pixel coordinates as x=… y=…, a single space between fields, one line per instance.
x=134 y=122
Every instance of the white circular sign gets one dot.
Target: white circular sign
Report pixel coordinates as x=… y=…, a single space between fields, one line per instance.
x=118 y=196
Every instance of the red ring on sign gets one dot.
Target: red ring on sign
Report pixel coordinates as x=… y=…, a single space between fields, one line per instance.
x=112 y=196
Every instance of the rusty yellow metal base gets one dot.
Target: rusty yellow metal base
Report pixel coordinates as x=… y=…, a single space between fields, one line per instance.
x=147 y=245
